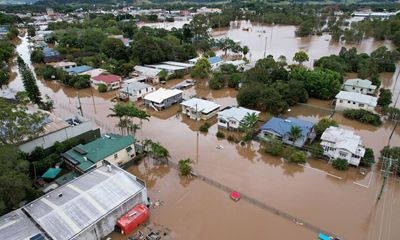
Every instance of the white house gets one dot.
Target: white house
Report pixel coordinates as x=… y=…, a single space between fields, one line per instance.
x=197 y=108
x=230 y=118
x=353 y=100
x=163 y=98
x=342 y=143
x=63 y=65
x=136 y=90
x=151 y=74
x=94 y=72
x=358 y=85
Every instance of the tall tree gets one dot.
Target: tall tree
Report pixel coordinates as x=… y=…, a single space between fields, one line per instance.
x=295 y=133
x=300 y=57
x=17 y=124
x=29 y=81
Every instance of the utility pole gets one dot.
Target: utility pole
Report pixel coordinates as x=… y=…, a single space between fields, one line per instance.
x=79 y=103
x=94 y=104
x=197 y=138
x=265 y=47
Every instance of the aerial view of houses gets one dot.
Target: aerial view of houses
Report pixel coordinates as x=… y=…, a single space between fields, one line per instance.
x=164 y=120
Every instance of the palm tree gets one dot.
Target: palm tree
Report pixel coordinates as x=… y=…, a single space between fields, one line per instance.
x=295 y=132
x=248 y=122
x=118 y=111
x=247 y=125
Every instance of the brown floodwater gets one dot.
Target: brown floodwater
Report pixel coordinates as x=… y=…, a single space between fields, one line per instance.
x=340 y=202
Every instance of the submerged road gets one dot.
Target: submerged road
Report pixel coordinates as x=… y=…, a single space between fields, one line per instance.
x=258 y=203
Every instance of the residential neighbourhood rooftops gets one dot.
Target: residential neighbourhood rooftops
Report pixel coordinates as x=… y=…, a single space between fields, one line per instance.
x=49 y=52
x=161 y=94
x=237 y=113
x=16 y=226
x=134 y=86
x=363 y=83
x=357 y=97
x=147 y=71
x=166 y=67
x=214 y=60
x=85 y=156
x=343 y=139
x=179 y=64
x=235 y=62
x=79 y=69
x=62 y=64
x=71 y=208
x=283 y=126
x=201 y=105
x=107 y=78
x=94 y=72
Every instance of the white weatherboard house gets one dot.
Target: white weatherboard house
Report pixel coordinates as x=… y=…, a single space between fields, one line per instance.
x=136 y=90
x=358 y=85
x=353 y=100
x=197 y=108
x=342 y=143
x=230 y=118
x=163 y=98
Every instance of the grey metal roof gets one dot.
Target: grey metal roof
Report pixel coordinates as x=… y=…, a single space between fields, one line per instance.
x=83 y=202
x=134 y=86
x=16 y=226
x=357 y=97
x=357 y=82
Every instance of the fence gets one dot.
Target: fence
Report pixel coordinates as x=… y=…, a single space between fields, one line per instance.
x=257 y=203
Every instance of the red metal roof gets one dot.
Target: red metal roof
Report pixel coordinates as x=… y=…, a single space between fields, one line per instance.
x=107 y=78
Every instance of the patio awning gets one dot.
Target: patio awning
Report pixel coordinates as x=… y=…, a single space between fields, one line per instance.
x=51 y=173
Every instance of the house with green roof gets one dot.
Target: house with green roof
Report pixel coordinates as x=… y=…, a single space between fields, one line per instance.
x=114 y=148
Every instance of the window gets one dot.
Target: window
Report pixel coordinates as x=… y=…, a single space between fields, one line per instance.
x=128 y=149
x=140 y=91
x=341 y=101
x=343 y=154
x=348 y=101
x=115 y=156
x=232 y=122
x=354 y=88
x=354 y=102
x=361 y=105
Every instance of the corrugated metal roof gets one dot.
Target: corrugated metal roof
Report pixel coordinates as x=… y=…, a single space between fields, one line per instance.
x=357 y=97
x=357 y=82
x=202 y=105
x=283 y=126
x=83 y=202
x=236 y=113
x=16 y=226
x=98 y=149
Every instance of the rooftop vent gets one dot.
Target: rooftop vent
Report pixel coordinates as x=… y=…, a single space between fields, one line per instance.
x=288 y=121
x=60 y=195
x=109 y=169
x=107 y=136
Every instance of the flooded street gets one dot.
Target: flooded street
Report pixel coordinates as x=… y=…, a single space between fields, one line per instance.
x=343 y=203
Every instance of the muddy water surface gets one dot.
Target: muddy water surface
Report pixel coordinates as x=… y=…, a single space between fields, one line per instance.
x=340 y=202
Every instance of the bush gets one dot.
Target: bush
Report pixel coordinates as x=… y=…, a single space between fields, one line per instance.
x=37 y=56
x=220 y=134
x=217 y=81
x=323 y=124
x=184 y=167
x=316 y=151
x=298 y=157
x=363 y=116
x=47 y=72
x=274 y=147
x=385 y=97
x=340 y=164
x=102 y=88
x=234 y=80
x=231 y=139
x=368 y=158
x=204 y=127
